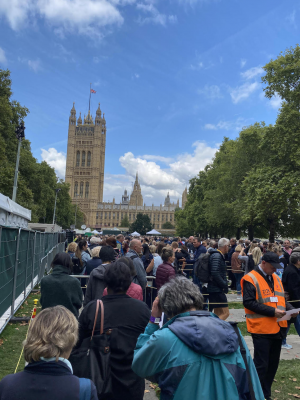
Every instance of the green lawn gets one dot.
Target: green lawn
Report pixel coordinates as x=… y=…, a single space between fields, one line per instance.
x=287 y=380
x=11 y=339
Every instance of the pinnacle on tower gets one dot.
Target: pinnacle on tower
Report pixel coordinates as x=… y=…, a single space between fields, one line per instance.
x=79 y=121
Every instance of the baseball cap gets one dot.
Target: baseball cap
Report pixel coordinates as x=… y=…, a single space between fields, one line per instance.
x=272 y=258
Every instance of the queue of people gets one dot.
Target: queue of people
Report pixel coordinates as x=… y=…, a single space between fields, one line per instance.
x=142 y=345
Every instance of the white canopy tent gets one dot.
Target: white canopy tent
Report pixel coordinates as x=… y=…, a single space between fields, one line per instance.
x=96 y=232
x=153 y=232
x=135 y=234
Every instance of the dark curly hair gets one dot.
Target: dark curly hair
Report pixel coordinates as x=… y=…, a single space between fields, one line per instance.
x=118 y=277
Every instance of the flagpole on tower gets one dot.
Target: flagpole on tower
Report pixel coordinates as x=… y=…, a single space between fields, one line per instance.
x=90 y=97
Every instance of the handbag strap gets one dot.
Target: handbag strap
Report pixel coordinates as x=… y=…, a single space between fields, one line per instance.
x=99 y=302
x=244 y=355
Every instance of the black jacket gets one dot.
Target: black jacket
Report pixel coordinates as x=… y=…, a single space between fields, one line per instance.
x=217 y=266
x=60 y=289
x=96 y=284
x=92 y=264
x=291 y=283
x=127 y=317
x=43 y=381
x=250 y=302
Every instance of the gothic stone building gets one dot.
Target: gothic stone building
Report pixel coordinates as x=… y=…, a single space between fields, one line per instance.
x=85 y=174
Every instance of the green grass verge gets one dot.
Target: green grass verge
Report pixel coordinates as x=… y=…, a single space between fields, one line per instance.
x=287 y=380
x=235 y=305
x=11 y=339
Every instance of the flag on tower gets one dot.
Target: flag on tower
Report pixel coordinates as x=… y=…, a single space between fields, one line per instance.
x=93 y=91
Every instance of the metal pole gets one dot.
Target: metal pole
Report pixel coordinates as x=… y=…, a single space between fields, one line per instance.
x=76 y=212
x=14 y=196
x=54 y=207
x=33 y=260
x=27 y=257
x=15 y=275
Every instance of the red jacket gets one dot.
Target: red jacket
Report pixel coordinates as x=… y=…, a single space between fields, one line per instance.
x=135 y=291
x=163 y=274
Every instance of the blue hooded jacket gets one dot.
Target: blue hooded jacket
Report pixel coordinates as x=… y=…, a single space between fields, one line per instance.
x=195 y=356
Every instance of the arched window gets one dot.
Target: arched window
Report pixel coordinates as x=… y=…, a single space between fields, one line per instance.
x=78 y=159
x=83 y=159
x=89 y=156
x=75 y=189
x=87 y=187
x=81 y=188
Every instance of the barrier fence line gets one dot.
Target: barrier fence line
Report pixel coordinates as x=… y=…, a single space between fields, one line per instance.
x=25 y=256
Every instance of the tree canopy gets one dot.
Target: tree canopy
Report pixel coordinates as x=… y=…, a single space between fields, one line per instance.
x=142 y=224
x=251 y=187
x=36 y=181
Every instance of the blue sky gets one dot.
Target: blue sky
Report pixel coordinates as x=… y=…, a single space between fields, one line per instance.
x=173 y=78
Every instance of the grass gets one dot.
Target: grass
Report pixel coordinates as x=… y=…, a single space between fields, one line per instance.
x=287 y=380
x=11 y=339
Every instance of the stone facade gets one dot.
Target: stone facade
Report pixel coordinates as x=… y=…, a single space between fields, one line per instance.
x=85 y=174
x=85 y=162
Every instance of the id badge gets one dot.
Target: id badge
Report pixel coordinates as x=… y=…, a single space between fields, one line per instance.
x=274 y=299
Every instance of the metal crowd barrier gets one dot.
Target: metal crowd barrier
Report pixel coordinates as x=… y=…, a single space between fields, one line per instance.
x=25 y=256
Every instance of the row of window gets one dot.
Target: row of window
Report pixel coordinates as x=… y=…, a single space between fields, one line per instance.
x=108 y=215
x=81 y=189
x=84 y=159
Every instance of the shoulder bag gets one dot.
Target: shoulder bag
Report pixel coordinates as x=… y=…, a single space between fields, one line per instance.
x=92 y=359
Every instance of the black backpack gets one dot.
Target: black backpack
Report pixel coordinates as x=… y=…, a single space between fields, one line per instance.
x=202 y=268
x=77 y=267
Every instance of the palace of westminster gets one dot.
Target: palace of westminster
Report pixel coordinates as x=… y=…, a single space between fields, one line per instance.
x=85 y=174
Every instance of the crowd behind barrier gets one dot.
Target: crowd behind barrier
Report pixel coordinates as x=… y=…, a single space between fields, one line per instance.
x=25 y=256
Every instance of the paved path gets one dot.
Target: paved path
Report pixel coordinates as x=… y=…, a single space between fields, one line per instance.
x=149 y=392
x=294 y=353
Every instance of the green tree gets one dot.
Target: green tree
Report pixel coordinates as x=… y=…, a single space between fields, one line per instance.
x=142 y=224
x=283 y=76
x=167 y=225
x=125 y=222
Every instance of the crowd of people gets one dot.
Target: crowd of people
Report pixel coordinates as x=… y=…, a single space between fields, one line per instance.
x=177 y=337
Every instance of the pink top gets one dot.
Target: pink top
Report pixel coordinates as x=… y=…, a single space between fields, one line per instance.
x=288 y=251
x=135 y=291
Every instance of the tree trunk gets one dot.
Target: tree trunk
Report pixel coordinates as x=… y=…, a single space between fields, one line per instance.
x=238 y=233
x=250 y=232
x=271 y=231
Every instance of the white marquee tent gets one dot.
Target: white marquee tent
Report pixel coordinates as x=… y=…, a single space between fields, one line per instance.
x=135 y=234
x=153 y=232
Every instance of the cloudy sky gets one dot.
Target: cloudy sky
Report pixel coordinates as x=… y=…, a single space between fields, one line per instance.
x=172 y=76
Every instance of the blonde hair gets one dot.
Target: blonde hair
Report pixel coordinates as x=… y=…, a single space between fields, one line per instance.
x=152 y=249
x=252 y=247
x=53 y=333
x=96 y=251
x=72 y=247
x=174 y=245
x=239 y=247
x=256 y=255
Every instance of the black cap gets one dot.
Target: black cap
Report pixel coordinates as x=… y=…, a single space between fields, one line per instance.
x=272 y=258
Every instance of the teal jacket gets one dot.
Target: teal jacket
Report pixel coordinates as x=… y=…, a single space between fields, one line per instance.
x=195 y=356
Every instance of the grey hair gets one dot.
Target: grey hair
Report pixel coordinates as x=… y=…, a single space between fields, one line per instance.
x=179 y=295
x=95 y=240
x=294 y=257
x=223 y=242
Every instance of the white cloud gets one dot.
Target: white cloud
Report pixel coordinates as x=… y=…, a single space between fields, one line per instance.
x=3 y=59
x=243 y=62
x=155 y=16
x=236 y=125
x=56 y=160
x=291 y=19
x=211 y=92
x=276 y=101
x=157 y=181
x=135 y=76
x=82 y=16
x=150 y=157
x=242 y=92
x=196 y=67
x=35 y=65
x=252 y=72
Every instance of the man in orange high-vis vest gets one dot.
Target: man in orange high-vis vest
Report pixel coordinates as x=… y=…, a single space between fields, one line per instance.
x=264 y=302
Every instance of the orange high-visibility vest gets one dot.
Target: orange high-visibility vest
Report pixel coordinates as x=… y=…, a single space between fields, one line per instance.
x=257 y=323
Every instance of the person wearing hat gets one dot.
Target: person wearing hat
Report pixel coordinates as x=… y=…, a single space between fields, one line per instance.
x=264 y=303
